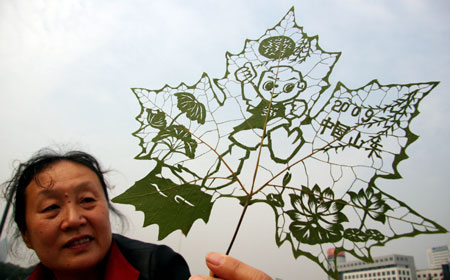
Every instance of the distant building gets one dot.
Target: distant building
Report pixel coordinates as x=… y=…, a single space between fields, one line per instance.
x=438 y=256
x=438 y=261
x=340 y=258
x=430 y=274
x=390 y=267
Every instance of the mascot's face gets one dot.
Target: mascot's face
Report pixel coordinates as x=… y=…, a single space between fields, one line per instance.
x=281 y=83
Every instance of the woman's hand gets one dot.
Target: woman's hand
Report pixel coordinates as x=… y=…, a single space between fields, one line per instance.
x=229 y=268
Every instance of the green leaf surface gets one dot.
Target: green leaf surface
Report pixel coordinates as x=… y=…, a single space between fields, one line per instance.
x=169 y=205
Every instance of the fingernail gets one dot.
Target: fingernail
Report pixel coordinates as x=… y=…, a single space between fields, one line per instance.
x=195 y=278
x=215 y=259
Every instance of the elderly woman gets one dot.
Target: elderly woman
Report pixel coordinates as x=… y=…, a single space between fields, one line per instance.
x=61 y=208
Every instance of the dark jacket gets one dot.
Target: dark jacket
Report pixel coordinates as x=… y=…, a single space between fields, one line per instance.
x=133 y=259
x=154 y=262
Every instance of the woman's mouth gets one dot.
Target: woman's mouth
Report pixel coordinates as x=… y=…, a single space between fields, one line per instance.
x=78 y=242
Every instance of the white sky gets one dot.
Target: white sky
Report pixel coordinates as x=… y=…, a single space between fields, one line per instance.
x=66 y=69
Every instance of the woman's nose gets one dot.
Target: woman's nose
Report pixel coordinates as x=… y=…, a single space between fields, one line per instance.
x=72 y=218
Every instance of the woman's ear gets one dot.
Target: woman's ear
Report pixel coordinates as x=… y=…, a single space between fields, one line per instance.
x=26 y=239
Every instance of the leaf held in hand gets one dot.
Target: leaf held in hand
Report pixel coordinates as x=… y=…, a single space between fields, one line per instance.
x=272 y=130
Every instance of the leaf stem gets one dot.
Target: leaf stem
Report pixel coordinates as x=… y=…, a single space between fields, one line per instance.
x=241 y=218
x=249 y=195
x=263 y=136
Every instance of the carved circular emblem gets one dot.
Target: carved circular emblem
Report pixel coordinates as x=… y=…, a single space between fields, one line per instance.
x=277 y=47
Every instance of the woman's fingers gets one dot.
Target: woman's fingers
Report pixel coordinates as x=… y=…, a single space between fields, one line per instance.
x=229 y=268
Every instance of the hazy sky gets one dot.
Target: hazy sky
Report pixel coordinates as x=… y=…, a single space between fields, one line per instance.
x=66 y=69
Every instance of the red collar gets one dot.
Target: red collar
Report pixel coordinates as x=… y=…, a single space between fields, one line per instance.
x=117 y=267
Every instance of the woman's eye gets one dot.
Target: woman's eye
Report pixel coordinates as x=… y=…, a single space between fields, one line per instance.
x=268 y=85
x=87 y=200
x=50 y=208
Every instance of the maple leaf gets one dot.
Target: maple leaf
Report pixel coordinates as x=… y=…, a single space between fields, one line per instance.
x=270 y=131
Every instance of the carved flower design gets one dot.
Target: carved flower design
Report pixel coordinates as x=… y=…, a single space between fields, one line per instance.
x=188 y=104
x=372 y=203
x=357 y=235
x=317 y=217
x=177 y=139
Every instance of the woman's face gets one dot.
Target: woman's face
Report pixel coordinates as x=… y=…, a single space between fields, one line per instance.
x=67 y=218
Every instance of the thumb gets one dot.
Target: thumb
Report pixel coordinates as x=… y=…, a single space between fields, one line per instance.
x=229 y=268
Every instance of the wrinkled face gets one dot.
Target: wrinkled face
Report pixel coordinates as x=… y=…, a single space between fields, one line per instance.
x=280 y=84
x=67 y=218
